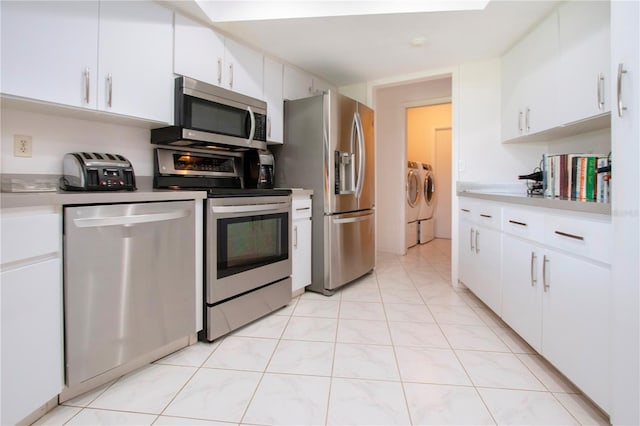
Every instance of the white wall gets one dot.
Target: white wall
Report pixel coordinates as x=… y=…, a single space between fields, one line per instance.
x=481 y=155
x=55 y=135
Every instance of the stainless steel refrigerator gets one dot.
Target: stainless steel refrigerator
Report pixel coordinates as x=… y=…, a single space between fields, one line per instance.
x=329 y=147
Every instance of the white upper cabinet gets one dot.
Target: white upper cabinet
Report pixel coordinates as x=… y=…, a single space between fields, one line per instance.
x=109 y=56
x=242 y=70
x=198 y=51
x=297 y=83
x=49 y=51
x=528 y=82
x=275 y=103
x=584 y=77
x=135 y=60
x=203 y=54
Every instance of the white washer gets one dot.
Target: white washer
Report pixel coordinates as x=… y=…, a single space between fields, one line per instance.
x=414 y=198
x=426 y=227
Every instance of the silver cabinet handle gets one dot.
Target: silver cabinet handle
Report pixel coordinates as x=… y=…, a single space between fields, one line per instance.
x=621 y=107
x=545 y=281
x=515 y=222
x=564 y=234
x=600 y=89
x=269 y=127
x=520 y=121
x=527 y=120
x=477 y=245
x=465 y=210
x=87 y=85
x=109 y=90
x=301 y=209
x=219 y=71
x=471 y=240
x=534 y=258
x=231 y=76
x=486 y=216
x=295 y=236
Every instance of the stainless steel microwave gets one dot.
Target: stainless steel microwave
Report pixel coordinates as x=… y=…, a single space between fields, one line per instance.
x=208 y=115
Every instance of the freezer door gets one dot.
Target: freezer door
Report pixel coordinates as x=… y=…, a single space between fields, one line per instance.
x=350 y=247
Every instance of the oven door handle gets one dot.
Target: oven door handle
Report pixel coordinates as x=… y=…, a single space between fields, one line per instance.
x=251 y=208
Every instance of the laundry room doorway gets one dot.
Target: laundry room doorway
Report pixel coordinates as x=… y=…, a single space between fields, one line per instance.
x=428 y=131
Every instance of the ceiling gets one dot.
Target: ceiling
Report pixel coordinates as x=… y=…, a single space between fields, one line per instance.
x=352 y=49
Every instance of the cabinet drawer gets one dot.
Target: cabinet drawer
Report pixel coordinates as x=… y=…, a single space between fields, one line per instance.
x=301 y=208
x=583 y=237
x=523 y=223
x=489 y=215
x=26 y=235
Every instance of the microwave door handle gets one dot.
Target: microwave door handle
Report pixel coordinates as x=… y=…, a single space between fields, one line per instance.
x=253 y=125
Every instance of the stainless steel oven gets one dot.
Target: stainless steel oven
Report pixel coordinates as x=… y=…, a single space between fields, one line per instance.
x=248 y=259
x=247 y=238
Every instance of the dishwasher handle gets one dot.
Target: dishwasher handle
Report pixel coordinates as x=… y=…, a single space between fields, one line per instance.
x=94 y=222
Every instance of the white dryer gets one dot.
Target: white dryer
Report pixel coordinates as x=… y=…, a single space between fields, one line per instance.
x=426 y=227
x=414 y=198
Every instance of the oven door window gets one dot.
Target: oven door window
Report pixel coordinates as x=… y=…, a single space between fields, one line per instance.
x=217 y=118
x=249 y=242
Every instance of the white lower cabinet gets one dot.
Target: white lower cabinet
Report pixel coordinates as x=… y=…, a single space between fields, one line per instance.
x=301 y=244
x=575 y=321
x=521 y=295
x=31 y=294
x=480 y=252
x=555 y=293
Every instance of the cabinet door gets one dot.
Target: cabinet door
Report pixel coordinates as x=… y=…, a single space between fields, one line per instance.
x=198 y=51
x=522 y=289
x=301 y=254
x=49 y=51
x=488 y=257
x=575 y=327
x=275 y=103
x=529 y=82
x=242 y=71
x=32 y=366
x=584 y=60
x=297 y=84
x=625 y=127
x=541 y=71
x=136 y=60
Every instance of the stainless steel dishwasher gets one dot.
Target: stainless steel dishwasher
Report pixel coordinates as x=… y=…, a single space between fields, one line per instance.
x=129 y=282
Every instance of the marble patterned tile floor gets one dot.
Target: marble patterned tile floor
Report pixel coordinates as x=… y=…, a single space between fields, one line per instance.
x=400 y=346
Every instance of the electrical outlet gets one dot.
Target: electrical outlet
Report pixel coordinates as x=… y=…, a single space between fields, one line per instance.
x=22 y=145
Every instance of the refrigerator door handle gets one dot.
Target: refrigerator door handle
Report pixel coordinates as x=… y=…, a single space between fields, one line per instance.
x=361 y=154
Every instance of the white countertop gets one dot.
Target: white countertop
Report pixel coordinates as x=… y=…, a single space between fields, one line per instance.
x=516 y=193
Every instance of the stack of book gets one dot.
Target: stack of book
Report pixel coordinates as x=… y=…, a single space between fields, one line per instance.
x=576 y=176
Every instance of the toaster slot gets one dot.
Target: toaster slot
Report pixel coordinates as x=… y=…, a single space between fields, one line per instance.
x=92 y=178
x=128 y=178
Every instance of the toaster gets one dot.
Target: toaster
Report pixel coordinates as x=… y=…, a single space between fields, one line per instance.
x=93 y=171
